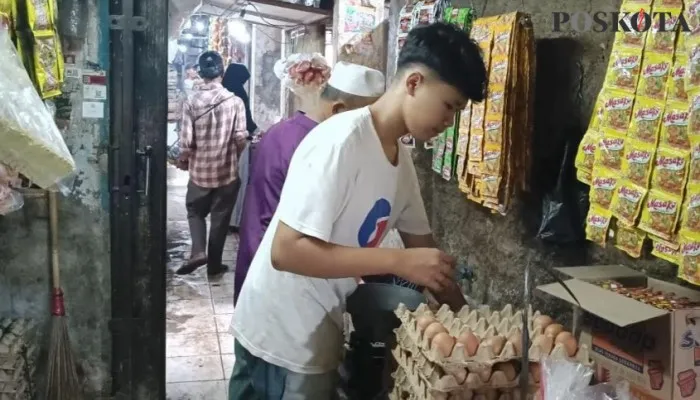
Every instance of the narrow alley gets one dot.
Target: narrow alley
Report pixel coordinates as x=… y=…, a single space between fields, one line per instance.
x=199 y=309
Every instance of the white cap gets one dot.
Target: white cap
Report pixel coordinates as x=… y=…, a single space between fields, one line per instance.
x=357 y=80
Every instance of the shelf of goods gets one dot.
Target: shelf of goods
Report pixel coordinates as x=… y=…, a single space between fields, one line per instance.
x=487 y=151
x=475 y=353
x=641 y=151
x=18 y=356
x=174 y=97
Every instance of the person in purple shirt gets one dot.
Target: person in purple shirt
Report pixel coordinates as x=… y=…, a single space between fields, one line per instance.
x=350 y=87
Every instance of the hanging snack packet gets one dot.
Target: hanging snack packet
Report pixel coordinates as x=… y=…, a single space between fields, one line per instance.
x=617 y=110
x=670 y=171
x=674 y=126
x=602 y=187
x=655 y=72
x=632 y=39
x=493 y=130
x=637 y=162
x=477 y=118
x=627 y=201
x=665 y=251
x=584 y=176
x=490 y=186
x=694 y=173
x=46 y=64
x=496 y=100
x=676 y=82
x=476 y=144
x=630 y=240
x=464 y=124
x=689 y=269
x=586 y=151
x=499 y=70
x=624 y=69
x=694 y=115
x=690 y=217
x=609 y=151
x=660 y=214
x=492 y=160
x=597 y=115
x=597 y=224
x=502 y=40
x=692 y=79
x=646 y=119
x=660 y=39
x=40 y=15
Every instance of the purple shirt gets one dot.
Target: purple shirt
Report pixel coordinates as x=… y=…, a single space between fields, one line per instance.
x=270 y=162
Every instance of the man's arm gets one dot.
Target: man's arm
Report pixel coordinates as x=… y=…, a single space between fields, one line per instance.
x=452 y=294
x=240 y=127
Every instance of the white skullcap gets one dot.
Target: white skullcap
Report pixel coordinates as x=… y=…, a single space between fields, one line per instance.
x=357 y=80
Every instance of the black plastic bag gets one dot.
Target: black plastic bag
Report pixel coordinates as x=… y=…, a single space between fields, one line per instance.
x=564 y=207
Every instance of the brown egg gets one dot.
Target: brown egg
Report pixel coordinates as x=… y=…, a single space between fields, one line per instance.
x=432 y=330
x=444 y=343
x=508 y=369
x=542 y=321
x=553 y=330
x=496 y=343
x=568 y=341
x=470 y=342
x=535 y=371
x=423 y=321
x=516 y=339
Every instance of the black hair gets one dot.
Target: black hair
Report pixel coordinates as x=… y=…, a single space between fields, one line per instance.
x=211 y=65
x=450 y=53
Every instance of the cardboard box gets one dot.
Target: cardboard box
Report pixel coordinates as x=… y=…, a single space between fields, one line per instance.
x=656 y=351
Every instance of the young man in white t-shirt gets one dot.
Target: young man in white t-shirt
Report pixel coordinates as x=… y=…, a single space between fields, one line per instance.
x=349 y=182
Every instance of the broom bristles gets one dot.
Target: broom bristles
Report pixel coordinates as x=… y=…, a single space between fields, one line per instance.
x=63 y=382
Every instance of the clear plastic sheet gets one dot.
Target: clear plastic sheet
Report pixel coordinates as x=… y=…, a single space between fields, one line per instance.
x=31 y=142
x=303 y=74
x=566 y=380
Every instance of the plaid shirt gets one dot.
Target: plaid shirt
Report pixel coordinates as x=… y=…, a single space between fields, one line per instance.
x=212 y=143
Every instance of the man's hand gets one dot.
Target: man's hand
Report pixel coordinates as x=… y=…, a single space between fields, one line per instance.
x=182 y=162
x=427 y=267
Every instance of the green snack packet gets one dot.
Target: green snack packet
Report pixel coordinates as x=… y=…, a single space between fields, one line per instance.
x=439 y=152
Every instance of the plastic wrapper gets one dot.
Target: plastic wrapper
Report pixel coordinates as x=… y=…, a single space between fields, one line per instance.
x=566 y=380
x=303 y=74
x=624 y=70
x=31 y=142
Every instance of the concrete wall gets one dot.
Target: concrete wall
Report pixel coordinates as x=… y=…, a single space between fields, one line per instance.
x=571 y=69
x=265 y=91
x=84 y=231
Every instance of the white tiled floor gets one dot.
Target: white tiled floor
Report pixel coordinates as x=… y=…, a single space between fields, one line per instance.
x=199 y=311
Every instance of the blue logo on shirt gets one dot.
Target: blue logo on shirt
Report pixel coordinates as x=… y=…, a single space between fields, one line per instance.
x=375 y=224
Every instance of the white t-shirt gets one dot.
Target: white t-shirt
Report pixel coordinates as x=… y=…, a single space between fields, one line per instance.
x=342 y=189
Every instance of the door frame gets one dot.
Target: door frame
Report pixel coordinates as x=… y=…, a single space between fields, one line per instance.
x=137 y=179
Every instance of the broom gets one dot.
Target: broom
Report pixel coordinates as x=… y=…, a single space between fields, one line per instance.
x=63 y=382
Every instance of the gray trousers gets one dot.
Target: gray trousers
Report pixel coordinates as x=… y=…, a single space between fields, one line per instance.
x=217 y=203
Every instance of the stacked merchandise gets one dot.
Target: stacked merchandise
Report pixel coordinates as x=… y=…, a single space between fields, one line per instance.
x=219 y=38
x=488 y=149
x=18 y=357
x=174 y=98
x=38 y=43
x=475 y=353
x=641 y=150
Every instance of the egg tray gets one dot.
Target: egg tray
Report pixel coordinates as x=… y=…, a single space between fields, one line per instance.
x=414 y=388
x=448 y=379
x=15 y=335
x=484 y=324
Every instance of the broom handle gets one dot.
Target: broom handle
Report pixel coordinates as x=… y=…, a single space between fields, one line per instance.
x=53 y=226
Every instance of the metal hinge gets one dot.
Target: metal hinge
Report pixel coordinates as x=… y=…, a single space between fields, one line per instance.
x=123 y=22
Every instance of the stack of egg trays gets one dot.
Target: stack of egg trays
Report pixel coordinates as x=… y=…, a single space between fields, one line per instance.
x=18 y=358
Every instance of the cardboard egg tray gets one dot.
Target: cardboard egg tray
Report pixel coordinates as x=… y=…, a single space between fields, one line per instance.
x=455 y=377
x=485 y=324
x=412 y=387
x=14 y=335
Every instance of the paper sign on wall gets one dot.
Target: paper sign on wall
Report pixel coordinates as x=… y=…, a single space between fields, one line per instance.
x=93 y=109
x=94 y=92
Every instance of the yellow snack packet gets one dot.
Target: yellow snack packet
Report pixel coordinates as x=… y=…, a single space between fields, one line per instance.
x=690 y=217
x=660 y=214
x=689 y=268
x=46 y=65
x=490 y=185
x=597 y=224
x=694 y=113
x=496 y=100
x=632 y=39
x=627 y=201
x=493 y=129
x=662 y=39
x=585 y=155
x=676 y=81
x=624 y=69
x=617 y=110
x=670 y=171
x=602 y=187
x=477 y=118
x=692 y=77
x=637 y=162
x=492 y=160
x=694 y=170
x=646 y=120
x=630 y=240
x=665 y=251
x=584 y=176
x=502 y=40
x=40 y=15
x=655 y=72
x=609 y=151
x=674 y=126
x=474 y=151
x=499 y=70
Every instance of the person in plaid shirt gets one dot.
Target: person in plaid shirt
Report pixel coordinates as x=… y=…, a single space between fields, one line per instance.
x=212 y=137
